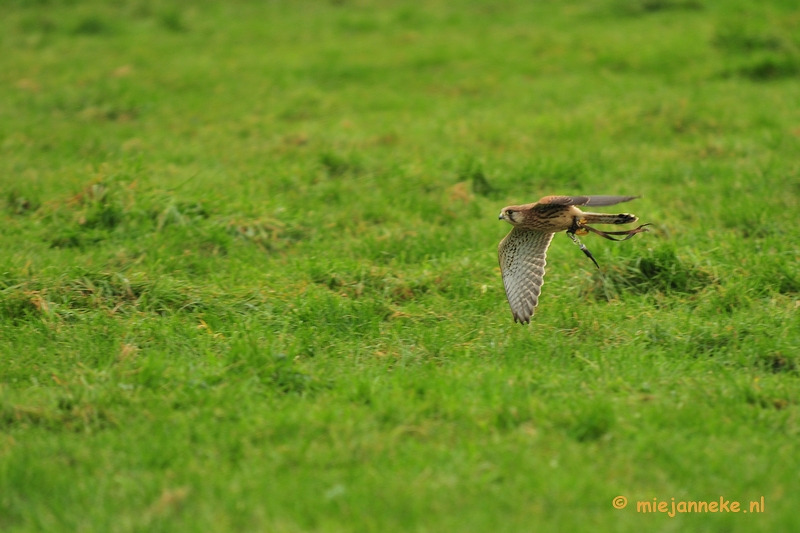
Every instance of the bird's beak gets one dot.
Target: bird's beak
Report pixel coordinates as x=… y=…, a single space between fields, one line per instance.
x=501 y=216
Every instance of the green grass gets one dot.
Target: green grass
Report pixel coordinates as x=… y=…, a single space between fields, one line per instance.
x=248 y=273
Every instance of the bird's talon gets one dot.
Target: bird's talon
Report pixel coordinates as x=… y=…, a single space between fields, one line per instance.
x=589 y=255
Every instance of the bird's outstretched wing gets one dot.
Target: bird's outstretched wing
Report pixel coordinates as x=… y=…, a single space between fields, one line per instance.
x=585 y=200
x=522 y=255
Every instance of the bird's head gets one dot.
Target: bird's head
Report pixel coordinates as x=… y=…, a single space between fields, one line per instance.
x=511 y=214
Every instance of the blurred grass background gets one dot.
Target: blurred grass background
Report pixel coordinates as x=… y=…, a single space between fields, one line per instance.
x=248 y=274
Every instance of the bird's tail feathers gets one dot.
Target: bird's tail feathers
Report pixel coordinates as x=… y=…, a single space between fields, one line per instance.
x=603 y=218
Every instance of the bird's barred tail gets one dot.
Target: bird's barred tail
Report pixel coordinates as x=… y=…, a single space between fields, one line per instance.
x=602 y=218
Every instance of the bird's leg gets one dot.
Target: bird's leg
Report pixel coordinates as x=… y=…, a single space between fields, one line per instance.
x=607 y=234
x=571 y=232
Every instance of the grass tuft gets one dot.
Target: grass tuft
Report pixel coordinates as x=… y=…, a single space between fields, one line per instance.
x=640 y=7
x=590 y=421
x=92 y=25
x=18 y=204
x=778 y=362
x=272 y=369
x=660 y=270
x=770 y=67
x=82 y=291
x=472 y=172
x=172 y=20
x=337 y=165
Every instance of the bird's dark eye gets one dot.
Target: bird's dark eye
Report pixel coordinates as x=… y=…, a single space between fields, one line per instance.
x=510 y=212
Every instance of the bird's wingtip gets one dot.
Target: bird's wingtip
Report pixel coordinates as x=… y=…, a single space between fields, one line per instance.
x=522 y=319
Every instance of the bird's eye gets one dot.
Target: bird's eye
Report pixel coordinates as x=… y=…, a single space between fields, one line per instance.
x=510 y=212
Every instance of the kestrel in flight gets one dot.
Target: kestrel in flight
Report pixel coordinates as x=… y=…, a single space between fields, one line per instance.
x=522 y=252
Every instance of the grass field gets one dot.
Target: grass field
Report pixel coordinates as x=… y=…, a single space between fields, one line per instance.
x=248 y=271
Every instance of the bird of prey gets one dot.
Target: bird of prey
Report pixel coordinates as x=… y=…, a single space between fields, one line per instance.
x=522 y=252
